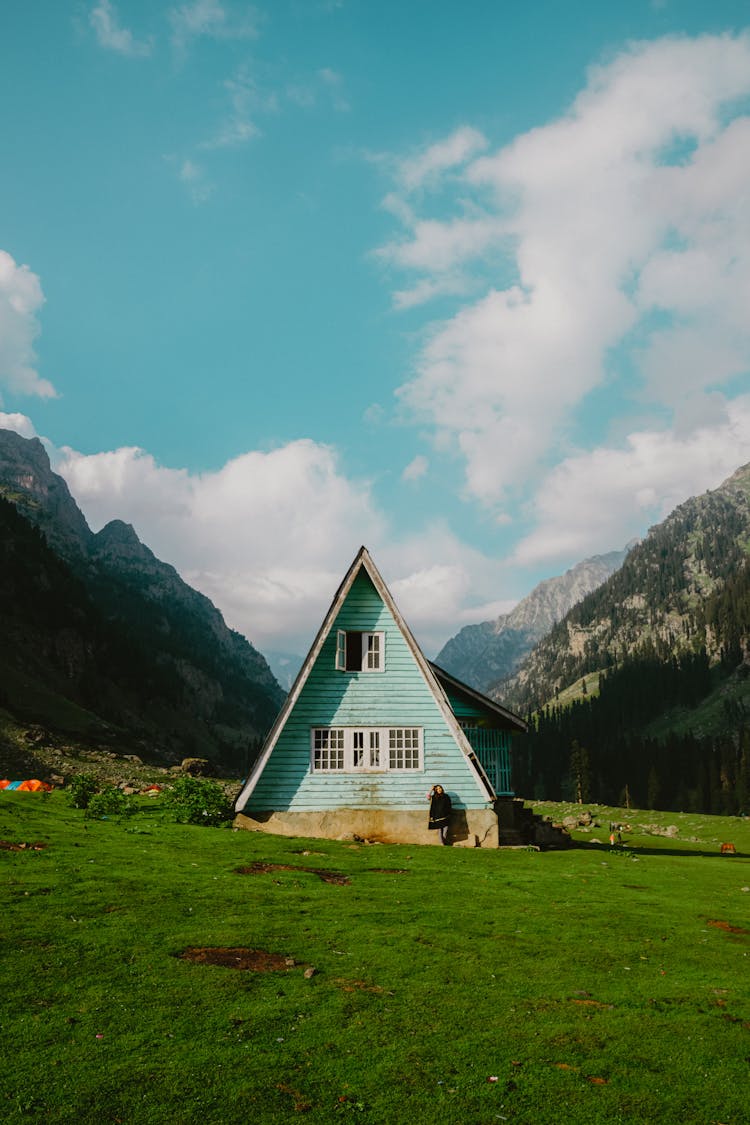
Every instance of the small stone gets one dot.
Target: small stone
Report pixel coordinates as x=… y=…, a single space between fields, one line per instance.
x=309 y=972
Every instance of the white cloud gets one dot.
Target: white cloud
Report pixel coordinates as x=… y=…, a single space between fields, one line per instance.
x=193 y=175
x=19 y=423
x=268 y=538
x=441 y=246
x=613 y=240
x=21 y=300
x=210 y=19
x=440 y=583
x=416 y=469
x=246 y=101
x=427 y=290
x=598 y=500
x=435 y=159
x=110 y=35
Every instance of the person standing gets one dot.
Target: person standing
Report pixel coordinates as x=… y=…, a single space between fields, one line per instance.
x=440 y=812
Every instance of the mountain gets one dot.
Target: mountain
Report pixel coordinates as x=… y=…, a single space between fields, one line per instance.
x=664 y=600
x=641 y=693
x=104 y=640
x=483 y=654
x=285 y=666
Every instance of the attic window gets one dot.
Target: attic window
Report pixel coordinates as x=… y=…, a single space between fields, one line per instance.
x=360 y=652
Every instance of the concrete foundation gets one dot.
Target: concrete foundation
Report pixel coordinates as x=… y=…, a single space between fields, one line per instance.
x=470 y=828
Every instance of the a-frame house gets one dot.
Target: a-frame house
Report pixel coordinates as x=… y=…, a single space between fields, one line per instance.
x=369 y=726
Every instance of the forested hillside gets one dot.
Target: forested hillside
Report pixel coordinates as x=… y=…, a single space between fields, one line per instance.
x=658 y=655
x=101 y=640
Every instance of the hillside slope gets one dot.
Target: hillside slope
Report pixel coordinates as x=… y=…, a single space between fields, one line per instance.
x=483 y=654
x=102 y=639
x=672 y=597
x=642 y=693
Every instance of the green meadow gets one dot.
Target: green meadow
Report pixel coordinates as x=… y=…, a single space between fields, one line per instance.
x=411 y=984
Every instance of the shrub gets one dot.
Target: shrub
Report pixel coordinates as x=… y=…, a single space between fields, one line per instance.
x=110 y=802
x=82 y=788
x=196 y=800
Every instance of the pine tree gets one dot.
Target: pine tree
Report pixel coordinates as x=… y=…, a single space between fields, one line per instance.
x=580 y=772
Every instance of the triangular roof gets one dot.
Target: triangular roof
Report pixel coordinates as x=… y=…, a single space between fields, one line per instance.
x=431 y=673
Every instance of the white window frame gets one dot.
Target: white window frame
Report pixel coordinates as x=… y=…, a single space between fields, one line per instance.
x=327 y=750
x=367 y=750
x=372 y=656
x=340 y=650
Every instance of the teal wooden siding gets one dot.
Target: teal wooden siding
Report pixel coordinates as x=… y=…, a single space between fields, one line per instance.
x=492 y=747
x=396 y=697
x=465 y=709
x=490 y=741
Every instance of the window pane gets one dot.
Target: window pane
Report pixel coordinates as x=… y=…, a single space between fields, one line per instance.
x=328 y=749
x=372 y=656
x=403 y=748
x=375 y=748
x=340 y=650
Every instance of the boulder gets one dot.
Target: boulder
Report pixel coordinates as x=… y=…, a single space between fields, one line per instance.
x=198 y=767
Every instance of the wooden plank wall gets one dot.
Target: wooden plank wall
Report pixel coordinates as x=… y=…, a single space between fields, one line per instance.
x=399 y=696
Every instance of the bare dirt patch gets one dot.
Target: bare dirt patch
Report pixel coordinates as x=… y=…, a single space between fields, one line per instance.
x=726 y=927
x=260 y=868
x=10 y=846
x=254 y=960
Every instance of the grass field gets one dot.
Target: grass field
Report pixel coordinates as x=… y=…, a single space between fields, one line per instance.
x=464 y=987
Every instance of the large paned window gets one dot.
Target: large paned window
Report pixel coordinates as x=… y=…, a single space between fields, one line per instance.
x=328 y=748
x=366 y=749
x=403 y=748
x=360 y=652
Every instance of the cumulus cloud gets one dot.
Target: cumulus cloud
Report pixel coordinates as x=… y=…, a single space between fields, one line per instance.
x=614 y=253
x=19 y=423
x=269 y=536
x=112 y=36
x=595 y=501
x=21 y=300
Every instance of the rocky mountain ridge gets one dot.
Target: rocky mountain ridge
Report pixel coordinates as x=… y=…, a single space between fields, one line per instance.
x=483 y=654
x=664 y=600
x=124 y=646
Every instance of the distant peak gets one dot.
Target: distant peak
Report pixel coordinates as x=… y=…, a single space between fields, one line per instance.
x=117 y=531
x=739 y=480
x=30 y=450
x=119 y=540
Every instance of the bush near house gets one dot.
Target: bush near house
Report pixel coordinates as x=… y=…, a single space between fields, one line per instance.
x=197 y=800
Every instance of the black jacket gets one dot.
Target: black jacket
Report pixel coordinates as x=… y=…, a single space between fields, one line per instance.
x=440 y=810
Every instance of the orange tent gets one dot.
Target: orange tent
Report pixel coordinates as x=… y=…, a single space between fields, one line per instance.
x=32 y=786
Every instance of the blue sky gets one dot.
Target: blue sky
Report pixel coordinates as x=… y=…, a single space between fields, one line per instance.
x=466 y=283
